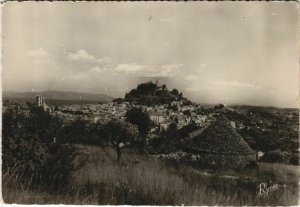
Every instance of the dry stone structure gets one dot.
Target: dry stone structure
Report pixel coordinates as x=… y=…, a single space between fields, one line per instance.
x=220 y=145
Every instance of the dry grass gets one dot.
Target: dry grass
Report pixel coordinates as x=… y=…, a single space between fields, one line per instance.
x=142 y=180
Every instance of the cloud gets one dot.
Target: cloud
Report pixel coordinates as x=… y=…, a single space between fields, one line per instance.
x=173 y=66
x=96 y=70
x=192 y=89
x=137 y=70
x=38 y=53
x=163 y=71
x=168 y=70
x=190 y=77
x=83 y=56
x=236 y=84
x=132 y=68
x=92 y=74
x=228 y=86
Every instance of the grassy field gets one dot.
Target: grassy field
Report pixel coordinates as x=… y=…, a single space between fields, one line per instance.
x=141 y=180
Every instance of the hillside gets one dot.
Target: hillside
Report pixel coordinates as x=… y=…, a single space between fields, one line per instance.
x=102 y=181
x=58 y=95
x=153 y=94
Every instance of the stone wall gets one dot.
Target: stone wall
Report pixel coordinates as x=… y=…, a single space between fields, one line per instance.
x=234 y=161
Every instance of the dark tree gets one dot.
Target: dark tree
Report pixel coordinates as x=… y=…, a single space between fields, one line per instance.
x=32 y=149
x=175 y=92
x=84 y=132
x=77 y=132
x=142 y=120
x=5 y=102
x=152 y=94
x=187 y=112
x=172 y=132
x=176 y=120
x=120 y=132
x=119 y=100
x=146 y=88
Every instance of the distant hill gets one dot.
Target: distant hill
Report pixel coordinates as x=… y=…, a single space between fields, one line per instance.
x=58 y=95
x=150 y=93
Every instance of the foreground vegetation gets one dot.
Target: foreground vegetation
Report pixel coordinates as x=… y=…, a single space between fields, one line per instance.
x=47 y=161
x=139 y=180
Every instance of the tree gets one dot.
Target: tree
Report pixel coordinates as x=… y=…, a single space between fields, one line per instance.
x=56 y=108
x=277 y=156
x=175 y=92
x=176 y=120
x=81 y=131
x=187 y=112
x=43 y=124
x=152 y=94
x=5 y=102
x=119 y=100
x=168 y=140
x=145 y=88
x=120 y=132
x=76 y=131
x=185 y=130
x=172 y=132
x=180 y=95
x=142 y=120
x=32 y=150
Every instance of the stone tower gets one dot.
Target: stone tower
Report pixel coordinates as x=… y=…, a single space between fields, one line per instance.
x=40 y=101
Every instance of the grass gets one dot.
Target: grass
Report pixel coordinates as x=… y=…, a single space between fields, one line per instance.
x=142 y=180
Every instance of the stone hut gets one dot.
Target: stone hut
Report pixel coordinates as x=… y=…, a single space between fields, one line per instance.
x=220 y=145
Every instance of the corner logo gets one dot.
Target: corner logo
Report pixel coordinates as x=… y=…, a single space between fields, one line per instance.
x=264 y=189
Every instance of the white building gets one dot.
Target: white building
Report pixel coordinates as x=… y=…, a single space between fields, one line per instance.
x=41 y=102
x=157 y=117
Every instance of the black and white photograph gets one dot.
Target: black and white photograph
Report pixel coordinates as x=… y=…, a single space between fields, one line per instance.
x=161 y=103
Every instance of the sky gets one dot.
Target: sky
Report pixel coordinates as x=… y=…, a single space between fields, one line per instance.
x=214 y=52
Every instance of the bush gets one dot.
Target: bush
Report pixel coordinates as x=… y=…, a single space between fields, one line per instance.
x=252 y=165
x=277 y=156
x=83 y=132
x=141 y=119
x=295 y=159
x=32 y=150
x=158 y=145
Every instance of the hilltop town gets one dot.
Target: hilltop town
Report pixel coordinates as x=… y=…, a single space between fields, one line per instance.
x=165 y=131
x=156 y=103
x=162 y=114
x=264 y=129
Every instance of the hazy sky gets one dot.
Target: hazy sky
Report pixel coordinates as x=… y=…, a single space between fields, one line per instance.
x=214 y=52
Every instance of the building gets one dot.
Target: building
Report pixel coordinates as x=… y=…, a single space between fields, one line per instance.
x=41 y=102
x=165 y=124
x=157 y=117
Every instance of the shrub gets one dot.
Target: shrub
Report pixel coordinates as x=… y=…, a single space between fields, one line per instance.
x=277 y=156
x=295 y=159
x=141 y=119
x=28 y=156
x=82 y=132
x=252 y=165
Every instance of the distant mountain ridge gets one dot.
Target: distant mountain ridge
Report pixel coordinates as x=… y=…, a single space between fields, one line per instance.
x=58 y=95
